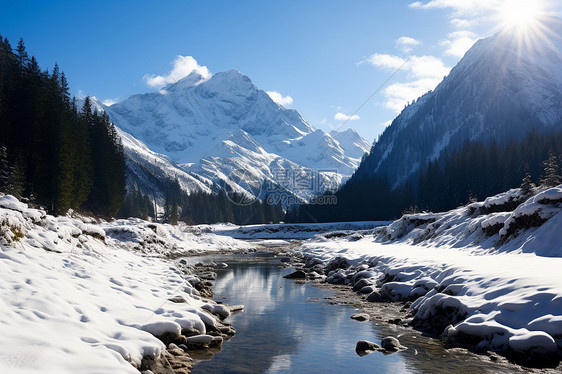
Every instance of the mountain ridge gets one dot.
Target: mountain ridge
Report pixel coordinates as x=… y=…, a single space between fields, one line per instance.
x=208 y=129
x=495 y=93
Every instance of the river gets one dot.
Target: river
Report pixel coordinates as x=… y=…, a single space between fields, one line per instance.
x=295 y=327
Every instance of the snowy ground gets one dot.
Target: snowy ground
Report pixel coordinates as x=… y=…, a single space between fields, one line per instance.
x=479 y=274
x=291 y=231
x=79 y=297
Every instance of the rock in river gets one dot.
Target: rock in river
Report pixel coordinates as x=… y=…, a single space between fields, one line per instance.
x=360 y=317
x=299 y=274
x=391 y=344
x=364 y=347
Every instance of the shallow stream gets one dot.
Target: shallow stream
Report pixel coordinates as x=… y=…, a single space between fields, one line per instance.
x=295 y=327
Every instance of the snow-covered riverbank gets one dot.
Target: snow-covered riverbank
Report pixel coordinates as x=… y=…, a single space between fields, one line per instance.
x=80 y=297
x=478 y=274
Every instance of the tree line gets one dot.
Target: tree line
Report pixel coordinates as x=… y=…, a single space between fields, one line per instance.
x=198 y=207
x=51 y=153
x=474 y=172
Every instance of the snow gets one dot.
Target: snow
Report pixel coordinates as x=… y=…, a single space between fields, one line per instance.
x=90 y=298
x=545 y=205
x=464 y=280
x=200 y=339
x=202 y=131
x=81 y=296
x=10 y=202
x=295 y=231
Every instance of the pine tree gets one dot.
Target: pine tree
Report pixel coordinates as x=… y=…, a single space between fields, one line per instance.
x=83 y=176
x=527 y=184
x=21 y=54
x=174 y=211
x=551 y=176
x=6 y=171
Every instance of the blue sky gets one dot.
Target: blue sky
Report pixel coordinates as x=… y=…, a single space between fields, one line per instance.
x=327 y=56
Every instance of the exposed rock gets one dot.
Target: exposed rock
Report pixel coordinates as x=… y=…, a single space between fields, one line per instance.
x=208 y=275
x=364 y=347
x=337 y=263
x=315 y=275
x=200 y=341
x=299 y=274
x=172 y=338
x=377 y=296
x=177 y=299
x=312 y=262
x=367 y=290
x=360 y=317
x=361 y=283
x=236 y=308
x=216 y=342
x=391 y=344
x=171 y=361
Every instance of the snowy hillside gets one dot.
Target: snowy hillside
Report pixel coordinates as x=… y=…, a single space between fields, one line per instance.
x=486 y=275
x=79 y=297
x=501 y=89
x=144 y=164
x=213 y=128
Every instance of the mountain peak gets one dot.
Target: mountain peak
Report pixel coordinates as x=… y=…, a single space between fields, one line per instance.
x=230 y=80
x=191 y=80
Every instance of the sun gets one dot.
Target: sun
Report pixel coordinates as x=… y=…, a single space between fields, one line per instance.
x=520 y=14
x=527 y=22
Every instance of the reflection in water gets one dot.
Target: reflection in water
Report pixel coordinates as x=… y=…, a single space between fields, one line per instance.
x=287 y=328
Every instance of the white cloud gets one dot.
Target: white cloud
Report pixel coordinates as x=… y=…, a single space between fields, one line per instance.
x=406 y=44
x=381 y=60
x=416 y=66
x=344 y=117
x=280 y=99
x=461 y=8
x=461 y=23
x=424 y=74
x=459 y=42
x=182 y=67
x=398 y=95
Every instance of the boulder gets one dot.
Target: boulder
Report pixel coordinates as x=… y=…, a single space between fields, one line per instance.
x=361 y=283
x=299 y=274
x=391 y=344
x=376 y=296
x=364 y=347
x=360 y=317
x=367 y=290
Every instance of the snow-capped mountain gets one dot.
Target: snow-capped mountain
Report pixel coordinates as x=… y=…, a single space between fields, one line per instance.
x=224 y=130
x=503 y=87
x=351 y=142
